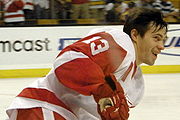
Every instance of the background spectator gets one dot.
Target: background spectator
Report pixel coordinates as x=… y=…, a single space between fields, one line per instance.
x=170 y=13
x=80 y=9
x=144 y=3
x=14 y=14
x=62 y=9
x=42 y=10
x=125 y=14
x=97 y=9
x=1 y=10
x=29 y=9
x=114 y=10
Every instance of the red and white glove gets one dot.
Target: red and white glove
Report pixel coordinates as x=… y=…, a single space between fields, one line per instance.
x=112 y=104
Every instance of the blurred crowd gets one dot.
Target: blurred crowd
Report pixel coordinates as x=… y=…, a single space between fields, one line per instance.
x=17 y=12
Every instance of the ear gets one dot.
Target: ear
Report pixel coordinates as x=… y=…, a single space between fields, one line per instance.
x=134 y=35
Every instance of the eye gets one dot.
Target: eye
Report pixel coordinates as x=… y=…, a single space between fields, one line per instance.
x=157 y=38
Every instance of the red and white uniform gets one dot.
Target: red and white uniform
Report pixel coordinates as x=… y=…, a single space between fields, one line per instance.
x=14 y=11
x=29 y=4
x=77 y=73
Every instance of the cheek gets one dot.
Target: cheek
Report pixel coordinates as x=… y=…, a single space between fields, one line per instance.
x=146 y=49
x=149 y=45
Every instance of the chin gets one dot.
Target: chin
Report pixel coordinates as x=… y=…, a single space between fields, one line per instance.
x=149 y=63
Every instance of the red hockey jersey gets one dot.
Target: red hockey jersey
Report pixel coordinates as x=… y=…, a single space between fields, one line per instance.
x=14 y=11
x=77 y=73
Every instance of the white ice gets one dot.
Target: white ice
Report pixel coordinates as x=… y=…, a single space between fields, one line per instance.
x=161 y=100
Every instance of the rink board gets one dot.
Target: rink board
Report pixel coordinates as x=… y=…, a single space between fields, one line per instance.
x=31 y=51
x=24 y=73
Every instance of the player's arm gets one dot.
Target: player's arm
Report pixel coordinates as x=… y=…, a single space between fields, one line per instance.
x=86 y=77
x=76 y=71
x=86 y=74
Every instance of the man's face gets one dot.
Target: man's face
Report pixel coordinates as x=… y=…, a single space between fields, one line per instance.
x=150 y=45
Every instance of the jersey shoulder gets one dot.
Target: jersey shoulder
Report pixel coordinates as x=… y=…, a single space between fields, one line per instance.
x=123 y=40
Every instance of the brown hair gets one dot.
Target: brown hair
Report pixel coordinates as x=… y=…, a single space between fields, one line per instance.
x=141 y=18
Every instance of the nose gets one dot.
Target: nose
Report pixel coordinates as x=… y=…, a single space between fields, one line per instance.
x=161 y=46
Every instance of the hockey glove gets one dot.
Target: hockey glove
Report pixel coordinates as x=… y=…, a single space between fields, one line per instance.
x=112 y=104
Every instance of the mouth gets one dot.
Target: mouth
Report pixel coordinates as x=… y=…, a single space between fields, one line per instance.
x=155 y=54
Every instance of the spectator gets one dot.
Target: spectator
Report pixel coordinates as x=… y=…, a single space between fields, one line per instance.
x=97 y=9
x=1 y=9
x=42 y=9
x=130 y=9
x=144 y=3
x=14 y=14
x=170 y=13
x=114 y=10
x=80 y=9
x=62 y=9
x=29 y=9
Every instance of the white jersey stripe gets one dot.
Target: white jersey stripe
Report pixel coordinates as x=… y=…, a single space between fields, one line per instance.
x=22 y=103
x=16 y=19
x=12 y=114
x=71 y=56
x=19 y=12
x=9 y=18
x=47 y=114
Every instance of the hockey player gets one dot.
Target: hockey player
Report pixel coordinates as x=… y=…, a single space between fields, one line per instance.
x=13 y=14
x=97 y=77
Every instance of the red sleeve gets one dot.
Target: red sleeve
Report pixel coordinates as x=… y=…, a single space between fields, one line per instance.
x=82 y=75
